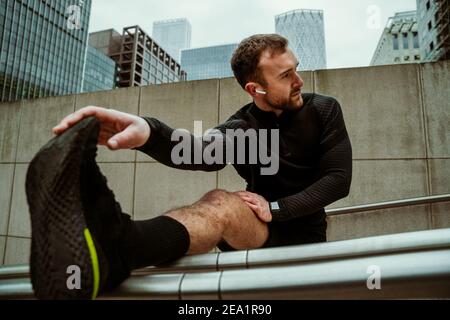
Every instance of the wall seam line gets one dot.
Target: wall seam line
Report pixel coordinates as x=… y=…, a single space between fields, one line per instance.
x=426 y=140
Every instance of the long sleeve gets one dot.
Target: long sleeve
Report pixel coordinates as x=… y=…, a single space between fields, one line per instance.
x=335 y=171
x=164 y=146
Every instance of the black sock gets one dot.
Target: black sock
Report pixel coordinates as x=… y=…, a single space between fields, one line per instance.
x=156 y=241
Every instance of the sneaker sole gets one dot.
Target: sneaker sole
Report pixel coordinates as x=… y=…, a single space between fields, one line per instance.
x=64 y=261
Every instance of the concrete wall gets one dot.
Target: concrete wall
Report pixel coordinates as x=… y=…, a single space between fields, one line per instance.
x=397 y=116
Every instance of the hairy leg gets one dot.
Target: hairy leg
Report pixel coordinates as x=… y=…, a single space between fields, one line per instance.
x=220 y=215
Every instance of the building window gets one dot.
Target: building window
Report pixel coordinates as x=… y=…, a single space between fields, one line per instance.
x=416 y=40
x=395 y=41
x=430 y=25
x=397 y=59
x=406 y=58
x=417 y=57
x=405 y=41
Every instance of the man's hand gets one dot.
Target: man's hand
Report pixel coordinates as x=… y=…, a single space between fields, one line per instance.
x=257 y=203
x=118 y=130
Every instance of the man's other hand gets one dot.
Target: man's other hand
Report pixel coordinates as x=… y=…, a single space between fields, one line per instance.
x=257 y=203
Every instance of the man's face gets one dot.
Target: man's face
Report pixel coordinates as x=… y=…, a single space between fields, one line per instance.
x=283 y=84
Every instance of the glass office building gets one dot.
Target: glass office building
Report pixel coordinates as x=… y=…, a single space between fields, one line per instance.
x=173 y=35
x=99 y=72
x=43 y=47
x=208 y=62
x=306 y=34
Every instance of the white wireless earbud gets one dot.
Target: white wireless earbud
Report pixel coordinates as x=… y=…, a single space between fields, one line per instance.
x=260 y=91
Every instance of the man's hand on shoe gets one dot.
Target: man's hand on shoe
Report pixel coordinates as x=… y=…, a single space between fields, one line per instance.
x=257 y=203
x=118 y=130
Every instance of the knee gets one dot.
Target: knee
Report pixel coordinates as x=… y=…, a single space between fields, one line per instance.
x=217 y=197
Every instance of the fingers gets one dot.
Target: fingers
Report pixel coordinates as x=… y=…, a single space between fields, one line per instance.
x=75 y=117
x=123 y=140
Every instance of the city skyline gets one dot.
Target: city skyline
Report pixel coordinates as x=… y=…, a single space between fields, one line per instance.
x=352 y=30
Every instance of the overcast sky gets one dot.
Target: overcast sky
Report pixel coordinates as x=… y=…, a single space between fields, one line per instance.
x=352 y=27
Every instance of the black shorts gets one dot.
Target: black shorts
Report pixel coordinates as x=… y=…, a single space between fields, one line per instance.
x=310 y=229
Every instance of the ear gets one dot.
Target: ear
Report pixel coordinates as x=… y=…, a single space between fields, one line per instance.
x=250 y=88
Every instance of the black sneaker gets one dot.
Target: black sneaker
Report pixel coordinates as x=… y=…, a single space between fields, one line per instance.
x=78 y=229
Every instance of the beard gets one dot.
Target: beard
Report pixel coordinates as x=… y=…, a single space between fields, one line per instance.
x=290 y=103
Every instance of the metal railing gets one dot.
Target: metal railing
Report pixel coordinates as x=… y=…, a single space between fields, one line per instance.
x=14 y=282
x=390 y=204
x=412 y=275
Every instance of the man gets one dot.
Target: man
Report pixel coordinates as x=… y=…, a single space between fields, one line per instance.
x=76 y=221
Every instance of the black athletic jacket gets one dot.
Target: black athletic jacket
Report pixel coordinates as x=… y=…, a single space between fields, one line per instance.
x=315 y=156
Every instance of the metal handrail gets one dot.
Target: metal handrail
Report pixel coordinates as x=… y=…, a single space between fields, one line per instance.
x=299 y=254
x=390 y=204
x=412 y=275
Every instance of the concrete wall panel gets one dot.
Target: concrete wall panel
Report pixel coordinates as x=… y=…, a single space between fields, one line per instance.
x=373 y=223
x=180 y=104
x=120 y=178
x=9 y=130
x=160 y=188
x=38 y=118
x=2 y=249
x=6 y=182
x=229 y=180
x=19 y=222
x=436 y=97
x=440 y=184
x=17 y=251
x=381 y=107
x=385 y=180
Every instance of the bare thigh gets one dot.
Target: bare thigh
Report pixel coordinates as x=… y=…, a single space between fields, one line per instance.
x=221 y=215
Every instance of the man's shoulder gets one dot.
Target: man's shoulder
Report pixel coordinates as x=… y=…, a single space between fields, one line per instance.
x=239 y=120
x=319 y=100
x=324 y=105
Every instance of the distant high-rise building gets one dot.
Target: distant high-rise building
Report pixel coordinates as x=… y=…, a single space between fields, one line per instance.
x=399 y=42
x=107 y=41
x=140 y=60
x=43 y=47
x=208 y=62
x=305 y=31
x=433 y=17
x=99 y=72
x=173 y=35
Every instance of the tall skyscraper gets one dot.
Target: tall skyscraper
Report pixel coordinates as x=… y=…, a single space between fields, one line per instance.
x=399 y=42
x=433 y=17
x=99 y=72
x=43 y=47
x=173 y=35
x=140 y=60
x=208 y=62
x=306 y=34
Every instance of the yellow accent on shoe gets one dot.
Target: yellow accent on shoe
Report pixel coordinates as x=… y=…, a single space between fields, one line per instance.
x=94 y=259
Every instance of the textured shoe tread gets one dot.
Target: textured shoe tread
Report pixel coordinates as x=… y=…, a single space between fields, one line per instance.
x=57 y=217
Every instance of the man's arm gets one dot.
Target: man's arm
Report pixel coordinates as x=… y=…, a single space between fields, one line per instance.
x=335 y=170
x=160 y=145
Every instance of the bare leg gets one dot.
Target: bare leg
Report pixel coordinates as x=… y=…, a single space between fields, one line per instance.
x=221 y=215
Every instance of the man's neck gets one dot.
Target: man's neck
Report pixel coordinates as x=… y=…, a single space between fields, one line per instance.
x=267 y=108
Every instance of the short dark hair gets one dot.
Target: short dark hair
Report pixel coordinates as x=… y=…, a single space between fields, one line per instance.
x=246 y=57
